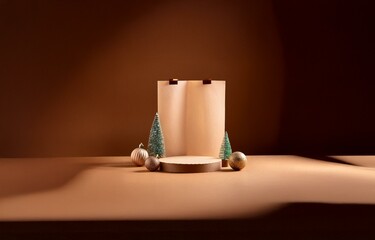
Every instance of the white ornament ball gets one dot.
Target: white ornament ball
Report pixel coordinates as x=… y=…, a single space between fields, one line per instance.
x=139 y=155
x=152 y=163
x=237 y=161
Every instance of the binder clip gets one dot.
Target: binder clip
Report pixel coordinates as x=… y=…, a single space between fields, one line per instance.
x=207 y=81
x=173 y=81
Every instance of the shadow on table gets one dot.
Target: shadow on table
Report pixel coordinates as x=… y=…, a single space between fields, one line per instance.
x=326 y=159
x=120 y=165
x=293 y=221
x=21 y=176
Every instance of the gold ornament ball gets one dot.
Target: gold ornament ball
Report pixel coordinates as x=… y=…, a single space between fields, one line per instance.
x=237 y=161
x=139 y=155
x=152 y=163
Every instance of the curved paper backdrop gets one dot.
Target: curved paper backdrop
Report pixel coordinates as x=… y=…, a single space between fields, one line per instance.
x=192 y=116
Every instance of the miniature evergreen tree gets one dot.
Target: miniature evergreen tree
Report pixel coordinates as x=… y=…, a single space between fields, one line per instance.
x=226 y=149
x=156 y=140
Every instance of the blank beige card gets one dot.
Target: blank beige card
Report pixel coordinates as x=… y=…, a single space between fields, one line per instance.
x=192 y=117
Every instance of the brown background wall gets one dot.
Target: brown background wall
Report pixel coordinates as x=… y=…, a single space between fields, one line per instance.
x=78 y=78
x=329 y=102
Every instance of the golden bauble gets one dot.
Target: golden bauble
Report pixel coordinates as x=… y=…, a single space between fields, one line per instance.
x=139 y=155
x=152 y=163
x=237 y=161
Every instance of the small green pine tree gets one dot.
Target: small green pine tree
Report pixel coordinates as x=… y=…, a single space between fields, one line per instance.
x=226 y=149
x=156 y=140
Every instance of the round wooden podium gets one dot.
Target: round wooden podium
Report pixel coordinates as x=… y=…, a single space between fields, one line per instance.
x=189 y=164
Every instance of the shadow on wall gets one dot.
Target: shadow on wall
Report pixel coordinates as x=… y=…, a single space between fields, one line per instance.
x=49 y=104
x=79 y=78
x=328 y=105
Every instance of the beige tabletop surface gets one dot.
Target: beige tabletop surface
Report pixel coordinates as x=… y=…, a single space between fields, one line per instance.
x=112 y=188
